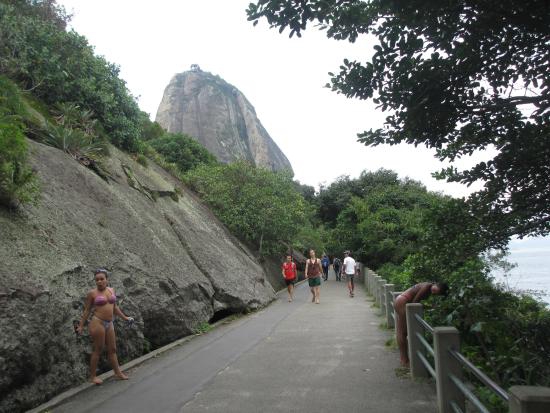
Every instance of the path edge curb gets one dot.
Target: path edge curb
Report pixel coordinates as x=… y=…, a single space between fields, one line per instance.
x=67 y=394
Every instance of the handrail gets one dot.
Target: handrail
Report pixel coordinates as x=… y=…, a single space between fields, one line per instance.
x=455 y=407
x=469 y=394
x=499 y=391
x=449 y=364
x=426 y=363
x=426 y=344
x=424 y=323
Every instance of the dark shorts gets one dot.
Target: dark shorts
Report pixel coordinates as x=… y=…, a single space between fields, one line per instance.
x=350 y=277
x=290 y=282
x=314 y=282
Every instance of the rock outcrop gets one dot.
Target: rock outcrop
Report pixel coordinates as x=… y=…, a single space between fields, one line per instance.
x=220 y=117
x=174 y=266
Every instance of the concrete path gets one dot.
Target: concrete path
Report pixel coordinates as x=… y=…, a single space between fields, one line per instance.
x=290 y=357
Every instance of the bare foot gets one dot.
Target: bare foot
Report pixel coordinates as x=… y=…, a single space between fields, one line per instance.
x=121 y=376
x=96 y=380
x=316 y=301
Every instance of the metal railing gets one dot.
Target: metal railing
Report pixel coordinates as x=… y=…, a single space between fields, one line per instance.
x=444 y=362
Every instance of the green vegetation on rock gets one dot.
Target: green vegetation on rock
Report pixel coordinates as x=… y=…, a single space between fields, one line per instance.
x=61 y=67
x=182 y=150
x=18 y=183
x=261 y=207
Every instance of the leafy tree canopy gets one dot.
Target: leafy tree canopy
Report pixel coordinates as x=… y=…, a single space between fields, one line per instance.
x=334 y=198
x=182 y=150
x=261 y=207
x=458 y=77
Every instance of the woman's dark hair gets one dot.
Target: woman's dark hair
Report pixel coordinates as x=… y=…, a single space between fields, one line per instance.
x=101 y=271
x=443 y=288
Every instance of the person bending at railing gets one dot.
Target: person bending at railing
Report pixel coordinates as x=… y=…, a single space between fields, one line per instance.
x=415 y=294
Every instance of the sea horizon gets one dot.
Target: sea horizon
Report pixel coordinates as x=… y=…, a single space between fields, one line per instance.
x=532 y=271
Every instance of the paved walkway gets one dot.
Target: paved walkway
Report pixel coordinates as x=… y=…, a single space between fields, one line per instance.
x=290 y=357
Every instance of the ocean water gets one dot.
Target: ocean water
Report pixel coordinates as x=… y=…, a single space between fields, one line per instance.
x=532 y=273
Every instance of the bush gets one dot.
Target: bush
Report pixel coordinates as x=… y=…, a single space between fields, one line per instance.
x=259 y=206
x=182 y=150
x=142 y=160
x=18 y=183
x=61 y=67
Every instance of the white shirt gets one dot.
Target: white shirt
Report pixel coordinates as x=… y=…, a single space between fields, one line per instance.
x=349 y=265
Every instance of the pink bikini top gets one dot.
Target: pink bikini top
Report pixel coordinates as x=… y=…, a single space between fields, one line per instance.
x=101 y=300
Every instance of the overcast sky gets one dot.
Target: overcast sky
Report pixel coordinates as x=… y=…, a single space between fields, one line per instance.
x=283 y=78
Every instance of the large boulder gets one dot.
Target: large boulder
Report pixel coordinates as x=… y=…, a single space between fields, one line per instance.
x=174 y=266
x=220 y=117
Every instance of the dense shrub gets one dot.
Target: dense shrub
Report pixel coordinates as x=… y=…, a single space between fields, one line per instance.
x=18 y=183
x=60 y=67
x=261 y=207
x=182 y=150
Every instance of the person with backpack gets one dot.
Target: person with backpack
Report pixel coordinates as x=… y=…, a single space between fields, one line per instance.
x=290 y=275
x=336 y=265
x=325 y=263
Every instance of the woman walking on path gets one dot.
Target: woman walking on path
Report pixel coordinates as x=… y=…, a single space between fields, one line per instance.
x=289 y=274
x=313 y=275
x=101 y=302
x=415 y=294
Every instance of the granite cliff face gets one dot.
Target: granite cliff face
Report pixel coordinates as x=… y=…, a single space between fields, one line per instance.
x=174 y=266
x=220 y=117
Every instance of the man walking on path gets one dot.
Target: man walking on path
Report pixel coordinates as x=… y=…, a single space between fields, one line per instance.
x=325 y=262
x=336 y=264
x=289 y=274
x=350 y=268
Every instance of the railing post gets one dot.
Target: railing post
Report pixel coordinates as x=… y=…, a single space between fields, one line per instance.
x=445 y=339
x=414 y=344
x=369 y=281
x=388 y=289
x=380 y=297
x=376 y=289
x=529 y=399
x=372 y=275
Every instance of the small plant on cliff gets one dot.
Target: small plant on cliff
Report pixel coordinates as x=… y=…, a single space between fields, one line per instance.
x=142 y=160
x=73 y=141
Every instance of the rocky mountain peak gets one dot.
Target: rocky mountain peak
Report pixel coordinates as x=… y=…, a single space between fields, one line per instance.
x=220 y=117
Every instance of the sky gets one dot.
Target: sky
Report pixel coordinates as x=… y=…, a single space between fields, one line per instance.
x=283 y=78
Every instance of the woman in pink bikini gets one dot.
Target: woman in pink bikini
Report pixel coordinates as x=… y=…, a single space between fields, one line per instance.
x=101 y=302
x=415 y=294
